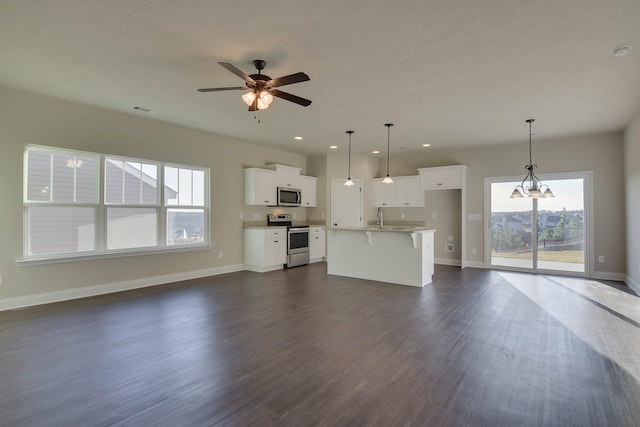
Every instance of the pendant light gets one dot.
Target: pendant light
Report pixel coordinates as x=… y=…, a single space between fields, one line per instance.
x=532 y=188
x=387 y=179
x=349 y=182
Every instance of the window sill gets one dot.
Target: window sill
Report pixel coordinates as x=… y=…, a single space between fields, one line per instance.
x=24 y=262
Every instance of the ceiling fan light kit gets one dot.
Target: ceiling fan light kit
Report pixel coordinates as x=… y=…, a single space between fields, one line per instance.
x=261 y=88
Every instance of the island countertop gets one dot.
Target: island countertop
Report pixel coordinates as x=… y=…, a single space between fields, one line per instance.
x=387 y=228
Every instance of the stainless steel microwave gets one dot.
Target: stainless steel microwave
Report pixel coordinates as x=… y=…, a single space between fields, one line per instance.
x=289 y=196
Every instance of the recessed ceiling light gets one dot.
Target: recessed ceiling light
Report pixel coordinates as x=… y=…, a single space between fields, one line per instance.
x=298 y=138
x=333 y=147
x=376 y=151
x=426 y=145
x=621 y=50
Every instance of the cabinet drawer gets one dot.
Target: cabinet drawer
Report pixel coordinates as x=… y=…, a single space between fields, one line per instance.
x=280 y=232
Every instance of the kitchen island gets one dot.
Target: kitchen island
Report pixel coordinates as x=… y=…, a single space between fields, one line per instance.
x=400 y=255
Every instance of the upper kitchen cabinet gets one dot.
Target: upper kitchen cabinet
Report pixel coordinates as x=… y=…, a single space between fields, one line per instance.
x=408 y=191
x=404 y=192
x=260 y=187
x=308 y=190
x=384 y=195
x=288 y=176
x=443 y=178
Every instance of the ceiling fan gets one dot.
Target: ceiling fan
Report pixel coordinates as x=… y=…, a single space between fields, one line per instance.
x=261 y=88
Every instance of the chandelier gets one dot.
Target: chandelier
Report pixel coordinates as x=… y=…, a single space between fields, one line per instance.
x=531 y=185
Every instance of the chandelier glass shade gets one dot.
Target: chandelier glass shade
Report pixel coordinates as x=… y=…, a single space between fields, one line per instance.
x=349 y=182
x=387 y=179
x=531 y=185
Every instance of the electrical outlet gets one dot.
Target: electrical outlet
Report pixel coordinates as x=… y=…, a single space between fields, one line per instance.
x=256 y=216
x=241 y=215
x=601 y=258
x=434 y=215
x=220 y=254
x=402 y=215
x=450 y=238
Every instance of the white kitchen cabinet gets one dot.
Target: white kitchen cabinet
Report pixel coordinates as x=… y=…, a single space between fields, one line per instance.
x=265 y=249
x=288 y=176
x=408 y=191
x=260 y=187
x=317 y=243
x=308 y=189
x=404 y=192
x=442 y=178
x=384 y=194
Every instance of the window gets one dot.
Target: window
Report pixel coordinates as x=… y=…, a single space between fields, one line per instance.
x=144 y=205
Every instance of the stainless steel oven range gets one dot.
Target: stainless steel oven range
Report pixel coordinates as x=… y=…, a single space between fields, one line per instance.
x=297 y=239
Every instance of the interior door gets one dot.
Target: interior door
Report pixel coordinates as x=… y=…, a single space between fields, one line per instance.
x=346 y=204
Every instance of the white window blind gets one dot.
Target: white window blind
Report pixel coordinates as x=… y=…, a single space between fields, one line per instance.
x=145 y=204
x=60 y=201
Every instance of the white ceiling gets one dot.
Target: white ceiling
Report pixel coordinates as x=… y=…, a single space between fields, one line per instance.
x=446 y=72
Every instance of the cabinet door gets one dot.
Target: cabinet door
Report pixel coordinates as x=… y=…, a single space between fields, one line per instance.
x=308 y=188
x=259 y=187
x=317 y=242
x=408 y=192
x=287 y=176
x=452 y=177
x=441 y=178
x=384 y=194
x=275 y=251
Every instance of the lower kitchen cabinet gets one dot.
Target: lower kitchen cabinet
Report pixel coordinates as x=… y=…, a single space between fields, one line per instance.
x=317 y=243
x=265 y=249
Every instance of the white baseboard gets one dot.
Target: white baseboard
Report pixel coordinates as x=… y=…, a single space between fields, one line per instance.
x=259 y=269
x=107 y=288
x=447 y=261
x=632 y=284
x=607 y=275
x=475 y=264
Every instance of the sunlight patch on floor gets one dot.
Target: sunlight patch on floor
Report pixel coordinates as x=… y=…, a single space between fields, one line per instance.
x=606 y=318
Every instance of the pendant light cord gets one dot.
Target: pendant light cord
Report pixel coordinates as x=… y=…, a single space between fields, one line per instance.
x=349 y=174
x=388 y=125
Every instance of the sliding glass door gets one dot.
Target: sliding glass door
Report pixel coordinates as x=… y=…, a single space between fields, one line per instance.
x=530 y=234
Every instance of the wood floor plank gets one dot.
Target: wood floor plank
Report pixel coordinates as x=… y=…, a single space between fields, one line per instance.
x=299 y=347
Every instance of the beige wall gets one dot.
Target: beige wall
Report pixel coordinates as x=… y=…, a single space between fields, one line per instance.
x=602 y=154
x=27 y=118
x=632 y=188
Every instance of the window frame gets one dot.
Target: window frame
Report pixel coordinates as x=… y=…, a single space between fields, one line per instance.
x=101 y=206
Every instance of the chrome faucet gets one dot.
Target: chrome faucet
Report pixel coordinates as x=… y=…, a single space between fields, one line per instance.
x=380 y=221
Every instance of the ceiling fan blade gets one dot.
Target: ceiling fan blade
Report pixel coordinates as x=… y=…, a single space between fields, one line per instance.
x=217 y=89
x=238 y=72
x=290 y=79
x=290 y=97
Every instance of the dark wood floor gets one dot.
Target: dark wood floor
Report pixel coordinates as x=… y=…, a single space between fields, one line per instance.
x=298 y=347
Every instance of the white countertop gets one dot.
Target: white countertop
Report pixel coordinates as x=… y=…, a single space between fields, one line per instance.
x=387 y=228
